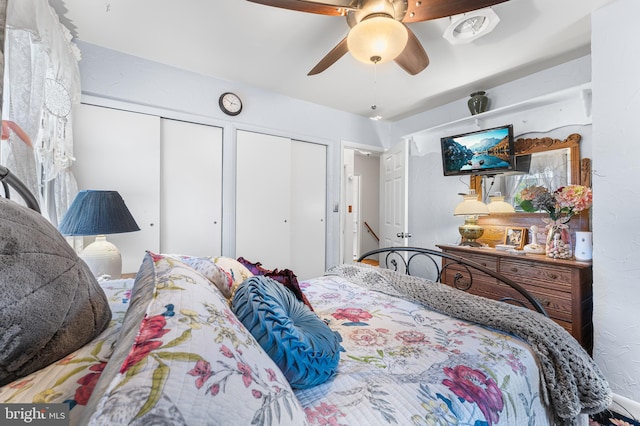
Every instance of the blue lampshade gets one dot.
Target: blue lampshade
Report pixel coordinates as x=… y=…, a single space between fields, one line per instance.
x=97 y=213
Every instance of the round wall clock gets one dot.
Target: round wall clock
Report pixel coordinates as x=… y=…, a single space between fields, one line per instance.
x=230 y=103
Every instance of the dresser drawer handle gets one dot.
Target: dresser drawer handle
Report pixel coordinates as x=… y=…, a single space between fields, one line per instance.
x=484 y=264
x=546 y=303
x=514 y=269
x=553 y=276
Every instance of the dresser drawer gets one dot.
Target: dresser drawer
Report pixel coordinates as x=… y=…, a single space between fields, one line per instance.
x=458 y=277
x=488 y=262
x=557 y=304
x=549 y=276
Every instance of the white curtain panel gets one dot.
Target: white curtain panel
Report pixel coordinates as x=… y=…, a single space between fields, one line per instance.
x=42 y=83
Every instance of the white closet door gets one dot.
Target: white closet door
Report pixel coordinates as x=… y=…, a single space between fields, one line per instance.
x=263 y=189
x=308 y=208
x=120 y=150
x=191 y=189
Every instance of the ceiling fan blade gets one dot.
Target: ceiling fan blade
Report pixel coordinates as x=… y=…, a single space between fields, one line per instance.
x=426 y=10
x=331 y=57
x=413 y=58
x=331 y=8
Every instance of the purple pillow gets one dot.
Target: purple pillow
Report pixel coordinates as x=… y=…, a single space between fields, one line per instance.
x=285 y=277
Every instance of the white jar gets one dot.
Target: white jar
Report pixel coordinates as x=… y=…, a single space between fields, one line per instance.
x=584 y=245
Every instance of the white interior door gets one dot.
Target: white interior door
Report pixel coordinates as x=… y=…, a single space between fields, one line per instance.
x=263 y=193
x=308 y=208
x=191 y=189
x=120 y=150
x=393 y=211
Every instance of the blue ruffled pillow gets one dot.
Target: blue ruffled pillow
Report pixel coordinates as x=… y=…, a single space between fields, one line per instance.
x=301 y=344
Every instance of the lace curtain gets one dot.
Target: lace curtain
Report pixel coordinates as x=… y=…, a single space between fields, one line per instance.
x=548 y=169
x=41 y=84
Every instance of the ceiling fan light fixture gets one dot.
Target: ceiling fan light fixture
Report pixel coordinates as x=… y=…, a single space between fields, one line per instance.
x=466 y=27
x=377 y=39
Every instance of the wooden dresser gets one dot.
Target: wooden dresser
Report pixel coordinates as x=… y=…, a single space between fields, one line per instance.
x=563 y=287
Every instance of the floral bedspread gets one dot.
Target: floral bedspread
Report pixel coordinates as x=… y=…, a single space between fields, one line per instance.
x=407 y=365
x=403 y=365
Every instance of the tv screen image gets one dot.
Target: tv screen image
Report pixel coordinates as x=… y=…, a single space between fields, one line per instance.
x=488 y=151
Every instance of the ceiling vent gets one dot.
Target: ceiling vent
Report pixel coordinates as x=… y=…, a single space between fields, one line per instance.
x=466 y=27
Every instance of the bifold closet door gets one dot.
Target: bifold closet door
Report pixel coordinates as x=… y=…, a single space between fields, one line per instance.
x=120 y=150
x=191 y=188
x=309 y=207
x=281 y=203
x=263 y=193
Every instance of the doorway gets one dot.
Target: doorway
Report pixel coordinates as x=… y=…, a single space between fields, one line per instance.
x=360 y=198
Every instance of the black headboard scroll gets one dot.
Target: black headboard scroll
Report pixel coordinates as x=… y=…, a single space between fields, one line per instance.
x=9 y=179
x=428 y=263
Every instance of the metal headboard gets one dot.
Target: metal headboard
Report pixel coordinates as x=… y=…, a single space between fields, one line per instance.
x=9 y=179
x=402 y=259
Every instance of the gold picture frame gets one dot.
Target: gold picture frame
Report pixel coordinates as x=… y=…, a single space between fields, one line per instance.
x=515 y=237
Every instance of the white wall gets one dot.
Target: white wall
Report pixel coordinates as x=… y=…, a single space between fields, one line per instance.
x=616 y=164
x=114 y=79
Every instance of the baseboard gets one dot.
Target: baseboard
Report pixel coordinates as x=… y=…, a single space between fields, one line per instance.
x=625 y=406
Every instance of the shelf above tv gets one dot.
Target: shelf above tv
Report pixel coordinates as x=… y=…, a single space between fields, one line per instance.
x=571 y=105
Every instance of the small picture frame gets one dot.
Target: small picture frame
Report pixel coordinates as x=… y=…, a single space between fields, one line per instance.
x=515 y=237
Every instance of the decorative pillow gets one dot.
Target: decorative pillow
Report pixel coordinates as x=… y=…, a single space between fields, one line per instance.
x=50 y=302
x=301 y=344
x=183 y=358
x=71 y=380
x=285 y=277
x=236 y=270
x=207 y=267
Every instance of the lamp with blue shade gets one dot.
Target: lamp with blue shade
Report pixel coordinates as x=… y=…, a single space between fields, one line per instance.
x=99 y=213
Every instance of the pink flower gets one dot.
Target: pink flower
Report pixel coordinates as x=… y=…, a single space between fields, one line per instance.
x=411 y=337
x=565 y=201
x=20 y=384
x=474 y=386
x=326 y=409
x=202 y=371
x=226 y=351
x=151 y=328
x=214 y=389
x=575 y=197
x=256 y=394
x=88 y=383
x=246 y=372
x=272 y=375
x=231 y=318
x=367 y=337
x=352 y=314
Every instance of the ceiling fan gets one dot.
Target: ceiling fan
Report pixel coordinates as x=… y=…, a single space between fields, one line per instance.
x=386 y=19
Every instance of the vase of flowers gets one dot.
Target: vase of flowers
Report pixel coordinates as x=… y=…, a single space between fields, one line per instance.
x=561 y=205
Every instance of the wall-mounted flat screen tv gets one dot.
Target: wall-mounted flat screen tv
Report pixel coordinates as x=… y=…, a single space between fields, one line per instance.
x=488 y=151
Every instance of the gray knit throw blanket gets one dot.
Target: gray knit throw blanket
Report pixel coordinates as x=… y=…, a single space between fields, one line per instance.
x=574 y=383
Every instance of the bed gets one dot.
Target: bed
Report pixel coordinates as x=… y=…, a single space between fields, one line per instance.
x=218 y=340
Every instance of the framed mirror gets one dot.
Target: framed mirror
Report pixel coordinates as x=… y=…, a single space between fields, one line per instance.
x=547 y=162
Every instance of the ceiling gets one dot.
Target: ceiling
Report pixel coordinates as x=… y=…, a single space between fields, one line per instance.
x=274 y=49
